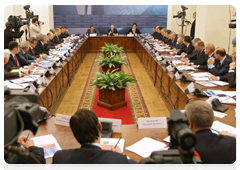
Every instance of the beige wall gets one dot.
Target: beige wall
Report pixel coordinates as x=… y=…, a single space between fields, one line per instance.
x=211 y=23
x=214 y=20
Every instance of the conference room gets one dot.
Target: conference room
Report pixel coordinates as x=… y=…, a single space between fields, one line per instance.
x=120 y=84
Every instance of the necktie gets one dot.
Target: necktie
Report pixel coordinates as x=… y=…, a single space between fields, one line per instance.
x=43 y=46
x=33 y=52
x=17 y=60
x=219 y=65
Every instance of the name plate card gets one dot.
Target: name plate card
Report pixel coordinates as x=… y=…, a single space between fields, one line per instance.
x=62 y=120
x=190 y=88
x=130 y=35
x=116 y=123
x=92 y=35
x=153 y=122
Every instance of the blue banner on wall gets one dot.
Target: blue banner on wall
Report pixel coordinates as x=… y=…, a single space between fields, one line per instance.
x=78 y=18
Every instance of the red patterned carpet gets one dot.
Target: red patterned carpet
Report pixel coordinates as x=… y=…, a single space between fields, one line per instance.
x=129 y=114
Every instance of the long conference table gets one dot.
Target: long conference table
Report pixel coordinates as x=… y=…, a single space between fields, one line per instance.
x=162 y=81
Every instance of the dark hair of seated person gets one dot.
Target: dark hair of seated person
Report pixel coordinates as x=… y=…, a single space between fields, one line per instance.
x=85 y=127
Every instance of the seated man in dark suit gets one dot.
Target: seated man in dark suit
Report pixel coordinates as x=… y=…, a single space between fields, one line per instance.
x=8 y=68
x=32 y=51
x=201 y=58
x=172 y=43
x=23 y=52
x=15 y=60
x=42 y=46
x=159 y=36
x=213 y=148
x=193 y=55
x=189 y=47
x=230 y=77
x=112 y=31
x=154 y=33
x=87 y=130
x=180 y=45
x=209 y=51
x=50 y=44
x=134 y=29
x=57 y=39
x=65 y=32
x=219 y=65
x=91 y=30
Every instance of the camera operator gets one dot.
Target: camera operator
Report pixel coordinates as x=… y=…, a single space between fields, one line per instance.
x=35 y=27
x=9 y=35
x=37 y=152
x=213 y=148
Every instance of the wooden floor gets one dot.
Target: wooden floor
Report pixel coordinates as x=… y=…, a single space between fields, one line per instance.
x=155 y=105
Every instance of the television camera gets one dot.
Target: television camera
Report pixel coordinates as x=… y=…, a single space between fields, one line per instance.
x=21 y=112
x=182 y=142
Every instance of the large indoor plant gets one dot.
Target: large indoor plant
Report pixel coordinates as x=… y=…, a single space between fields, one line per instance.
x=112 y=62
x=111 y=49
x=112 y=88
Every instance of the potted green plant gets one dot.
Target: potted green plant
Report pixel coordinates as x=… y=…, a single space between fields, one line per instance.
x=112 y=88
x=112 y=62
x=111 y=49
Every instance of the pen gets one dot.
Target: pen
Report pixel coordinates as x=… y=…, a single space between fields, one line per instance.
x=26 y=138
x=117 y=143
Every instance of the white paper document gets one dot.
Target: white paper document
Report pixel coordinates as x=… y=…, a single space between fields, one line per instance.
x=226 y=100
x=200 y=78
x=220 y=83
x=113 y=141
x=219 y=126
x=219 y=114
x=146 y=146
x=182 y=68
x=48 y=143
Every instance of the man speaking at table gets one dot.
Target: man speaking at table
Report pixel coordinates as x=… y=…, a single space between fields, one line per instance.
x=87 y=130
x=112 y=31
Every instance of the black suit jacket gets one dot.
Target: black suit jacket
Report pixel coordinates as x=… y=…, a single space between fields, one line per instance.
x=57 y=39
x=215 y=149
x=89 y=154
x=50 y=44
x=89 y=31
x=155 y=35
x=27 y=56
x=192 y=32
x=182 y=48
x=172 y=43
x=201 y=58
x=37 y=152
x=159 y=36
x=31 y=53
x=187 y=50
x=223 y=69
x=193 y=55
x=64 y=35
x=39 y=49
x=136 y=31
x=7 y=73
x=9 y=36
x=114 y=31
x=23 y=62
x=205 y=67
x=230 y=77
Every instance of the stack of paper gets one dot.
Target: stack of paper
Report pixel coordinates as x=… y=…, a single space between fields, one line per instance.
x=182 y=68
x=220 y=83
x=175 y=62
x=15 y=86
x=219 y=126
x=146 y=146
x=219 y=114
x=48 y=143
x=205 y=83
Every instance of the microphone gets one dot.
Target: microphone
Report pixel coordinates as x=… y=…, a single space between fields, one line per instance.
x=184 y=79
